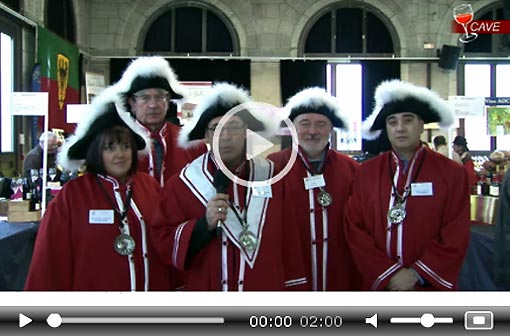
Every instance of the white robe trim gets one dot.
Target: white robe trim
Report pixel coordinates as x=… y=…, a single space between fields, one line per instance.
x=200 y=182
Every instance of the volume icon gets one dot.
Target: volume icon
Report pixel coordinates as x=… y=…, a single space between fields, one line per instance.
x=372 y=320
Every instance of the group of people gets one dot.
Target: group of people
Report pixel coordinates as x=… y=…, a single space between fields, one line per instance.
x=156 y=211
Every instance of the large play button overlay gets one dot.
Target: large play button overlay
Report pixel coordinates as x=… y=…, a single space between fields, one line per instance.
x=256 y=145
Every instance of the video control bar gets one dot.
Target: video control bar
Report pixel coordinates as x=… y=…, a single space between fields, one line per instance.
x=256 y=320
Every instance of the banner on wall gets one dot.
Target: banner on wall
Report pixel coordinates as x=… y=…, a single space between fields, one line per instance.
x=195 y=91
x=59 y=71
x=498 y=115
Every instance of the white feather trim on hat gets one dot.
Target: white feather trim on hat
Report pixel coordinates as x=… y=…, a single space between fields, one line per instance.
x=150 y=67
x=314 y=98
x=226 y=93
x=96 y=109
x=397 y=90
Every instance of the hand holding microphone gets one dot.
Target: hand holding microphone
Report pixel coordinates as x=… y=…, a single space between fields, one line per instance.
x=216 y=211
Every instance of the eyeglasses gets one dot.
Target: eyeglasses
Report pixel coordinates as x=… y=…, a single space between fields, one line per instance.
x=234 y=129
x=145 y=98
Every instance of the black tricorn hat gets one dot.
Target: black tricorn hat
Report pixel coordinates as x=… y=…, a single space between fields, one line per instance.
x=397 y=96
x=218 y=101
x=149 y=73
x=105 y=111
x=317 y=100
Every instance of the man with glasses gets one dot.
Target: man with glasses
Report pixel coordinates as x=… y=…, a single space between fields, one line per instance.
x=148 y=86
x=318 y=186
x=227 y=236
x=34 y=158
x=407 y=220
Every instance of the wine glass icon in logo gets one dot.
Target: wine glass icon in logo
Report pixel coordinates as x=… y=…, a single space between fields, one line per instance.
x=463 y=14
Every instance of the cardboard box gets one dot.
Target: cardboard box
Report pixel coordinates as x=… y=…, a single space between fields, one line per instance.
x=4 y=207
x=19 y=206
x=28 y=216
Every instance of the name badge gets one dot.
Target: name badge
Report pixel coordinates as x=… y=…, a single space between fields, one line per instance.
x=264 y=191
x=422 y=189
x=315 y=181
x=101 y=216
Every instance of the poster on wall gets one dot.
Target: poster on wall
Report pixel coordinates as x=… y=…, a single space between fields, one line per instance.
x=94 y=84
x=195 y=92
x=498 y=120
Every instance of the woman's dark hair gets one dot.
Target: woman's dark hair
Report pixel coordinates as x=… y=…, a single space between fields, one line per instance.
x=116 y=134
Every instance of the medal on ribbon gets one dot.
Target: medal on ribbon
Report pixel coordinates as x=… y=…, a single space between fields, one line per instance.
x=324 y=198
x=124 y=244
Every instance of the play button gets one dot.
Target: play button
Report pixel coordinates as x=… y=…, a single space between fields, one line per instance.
x=24 y=320
x=256 y=144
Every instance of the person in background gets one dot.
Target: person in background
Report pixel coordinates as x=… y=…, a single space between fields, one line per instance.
x=408 y=214
x=441 y=147
x=34 y=158
x=319 y=207
x=226 y=236
x=95 y=234
x=502 y=235
x=147 y=87
x=460 y=147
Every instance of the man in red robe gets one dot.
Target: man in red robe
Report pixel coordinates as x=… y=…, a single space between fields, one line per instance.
x=224 y=235
x=148 y=86
x=408 y=215
x=319 y=207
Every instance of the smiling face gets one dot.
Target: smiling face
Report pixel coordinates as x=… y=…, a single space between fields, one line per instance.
x=404 y=130
x=232 y=141
x=313 y=132
x=149 y=107
x=117 y=159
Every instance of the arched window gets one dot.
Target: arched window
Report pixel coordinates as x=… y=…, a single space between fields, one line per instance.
x=191 y=30
x=60 y=19
x=493 y=44
x=353 y=29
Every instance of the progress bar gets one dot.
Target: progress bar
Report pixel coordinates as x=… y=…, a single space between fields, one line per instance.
x=55 y=320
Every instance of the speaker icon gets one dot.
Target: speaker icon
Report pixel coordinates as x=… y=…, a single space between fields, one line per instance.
x=372 y=320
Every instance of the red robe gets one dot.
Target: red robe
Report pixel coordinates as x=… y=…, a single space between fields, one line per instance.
x=338 y=172
x=71 y=254
x=434 y=236
x=183 y=204
x=175 y=158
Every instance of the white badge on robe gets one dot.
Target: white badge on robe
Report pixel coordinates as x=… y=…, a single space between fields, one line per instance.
x=101 y=216
x=263 y=191
x=315 y=181
x=422 y=189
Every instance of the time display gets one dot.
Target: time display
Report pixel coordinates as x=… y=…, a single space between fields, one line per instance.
x=277 y=321
x=286 y=321
x=328 y=321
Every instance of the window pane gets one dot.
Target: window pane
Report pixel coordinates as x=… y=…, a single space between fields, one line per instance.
x=349 y=30
x=188 y=29
x=319 y=37
x=348 y=90
x=503 y=80
x=6 y=78
x=477 y=84
x=159 y=36
x=218 y=36
x=378 y=37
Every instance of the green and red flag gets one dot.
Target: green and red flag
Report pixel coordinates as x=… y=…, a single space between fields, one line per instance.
x=59 y=62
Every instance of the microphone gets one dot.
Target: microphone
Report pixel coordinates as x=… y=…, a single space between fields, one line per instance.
x=220 y=182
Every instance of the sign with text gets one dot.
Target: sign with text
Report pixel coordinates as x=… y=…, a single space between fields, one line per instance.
x=30 y=103
x=467 y=106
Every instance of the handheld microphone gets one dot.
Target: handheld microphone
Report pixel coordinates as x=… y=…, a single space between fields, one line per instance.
x=221 y=183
